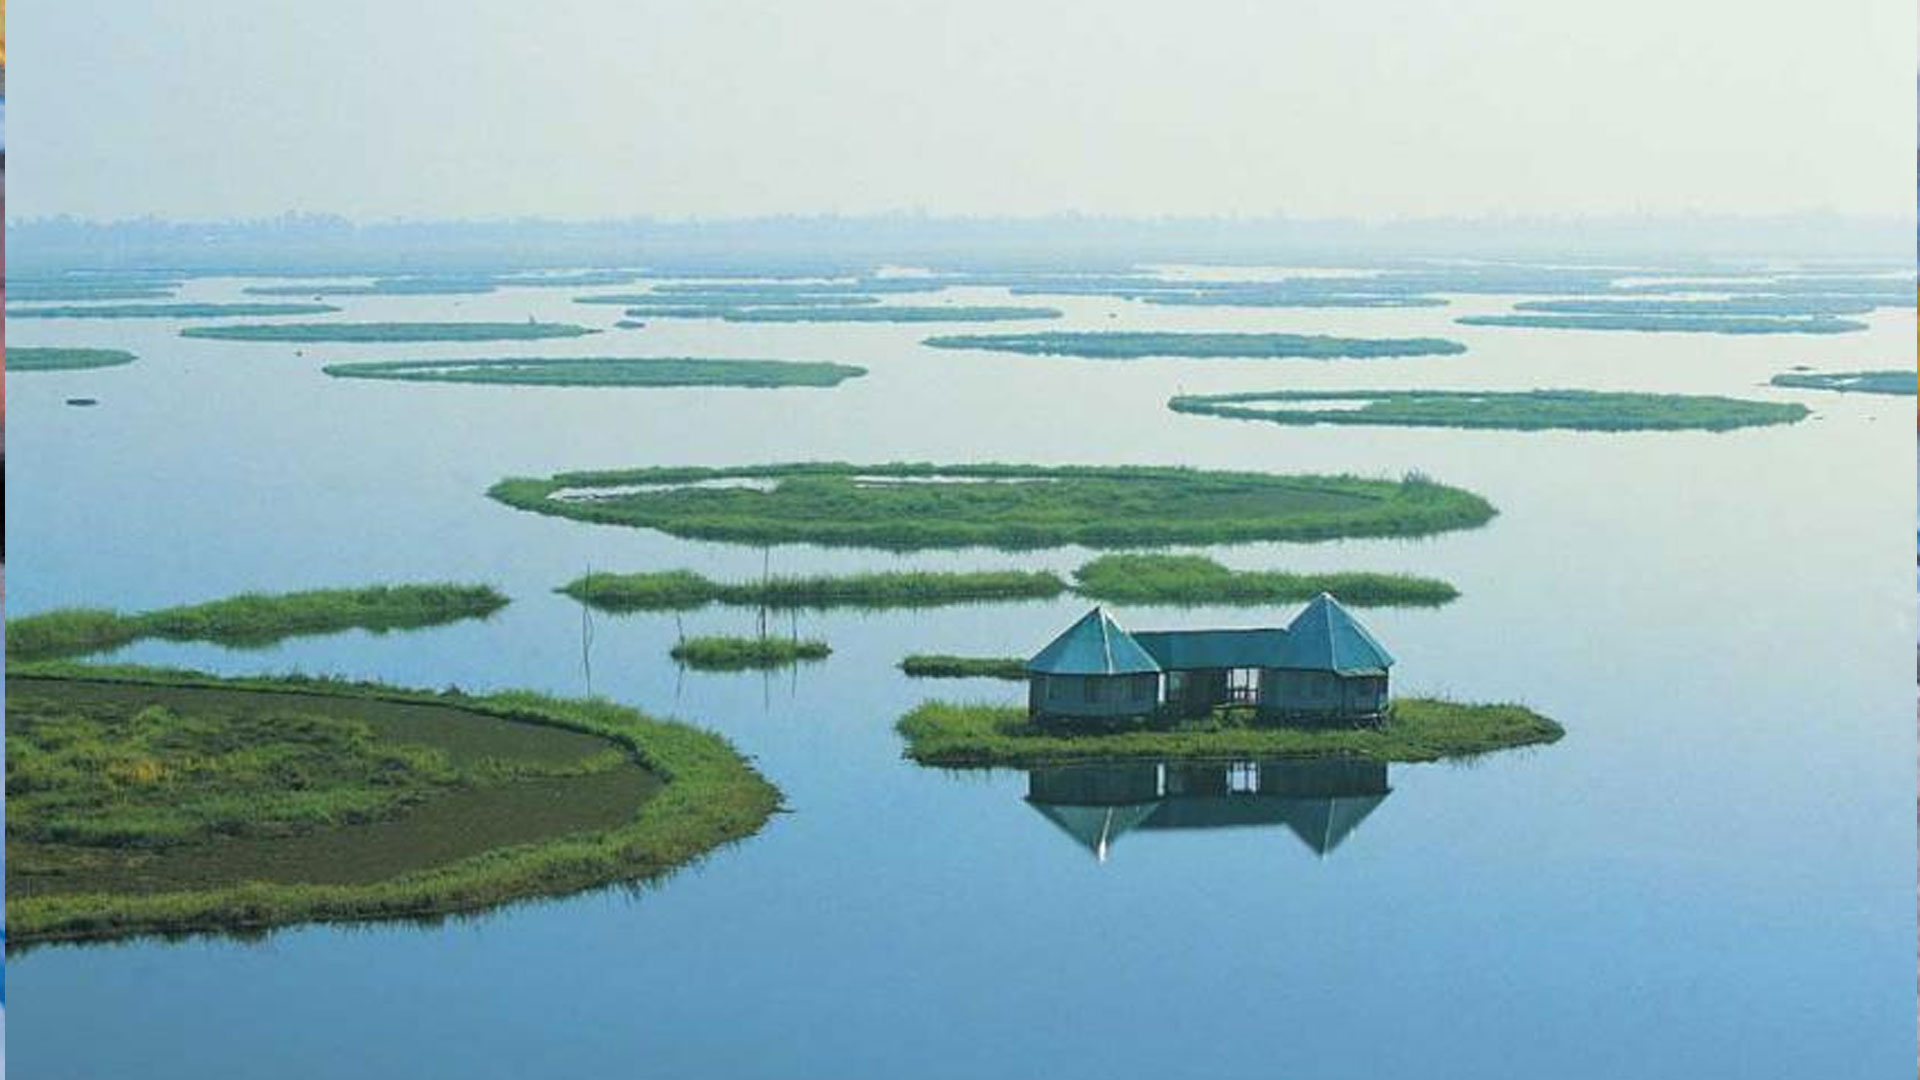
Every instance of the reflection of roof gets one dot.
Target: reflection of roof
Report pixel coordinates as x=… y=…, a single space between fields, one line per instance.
x=1324 y=823
x=1186 y=650
x=1096 y=827
x=1321 y=801
x=1093 y=646
x=1325 y=637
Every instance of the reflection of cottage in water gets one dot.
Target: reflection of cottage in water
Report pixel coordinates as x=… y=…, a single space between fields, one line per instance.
x=1323 y=667
x=1320 y=800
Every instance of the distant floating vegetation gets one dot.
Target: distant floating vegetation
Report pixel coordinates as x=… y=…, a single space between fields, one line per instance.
x=1221 y=298
x=1865 y=382
x=957 y=735
x=1133 y=345
x=60 y=359
x=576 y=280
x=729 y=301
x=250 y=620
x=891 y=313
x=1681 y=324
x=165 y=311
x=744 y=653
x=940 y=666
x=629 y=324
x=918 y=506
x=1523 y=410
x=407 y=286
x=60 y=289
x=375 y=332
x=1197 y=580
x=1785 y=305
x=672 y=590
x=606 y=371
x=763 y=289
x=1886 y=291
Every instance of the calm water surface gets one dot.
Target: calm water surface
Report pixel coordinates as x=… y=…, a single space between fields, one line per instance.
x=1711 y=876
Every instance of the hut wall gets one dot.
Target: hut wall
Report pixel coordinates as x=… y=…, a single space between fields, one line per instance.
x=1093 y=695
x=1290 y=692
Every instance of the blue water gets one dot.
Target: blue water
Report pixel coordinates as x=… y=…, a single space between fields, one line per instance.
x=1711 y=876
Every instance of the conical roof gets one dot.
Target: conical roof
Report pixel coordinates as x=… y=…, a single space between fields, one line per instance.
x=1094 y=646
x=1325 y=637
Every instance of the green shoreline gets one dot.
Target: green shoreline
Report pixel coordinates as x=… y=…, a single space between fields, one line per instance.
x=956 y=735
x=711 y=797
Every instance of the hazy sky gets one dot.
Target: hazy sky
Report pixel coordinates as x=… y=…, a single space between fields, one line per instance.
x=597 y=108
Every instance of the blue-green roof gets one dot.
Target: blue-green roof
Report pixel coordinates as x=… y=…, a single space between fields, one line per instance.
x=1196 y=650
x=1093 y=646
x=1325 y=637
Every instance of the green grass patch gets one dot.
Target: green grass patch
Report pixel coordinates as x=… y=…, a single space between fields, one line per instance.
x=605 y=371
x=942 y=666
x=1133 y=345
x=917 y=506
x=1526 y=410
x=744 y=653
x=250 y=620
x=164 y=311
x=1676 y=324
x=1864 y=382
x=378 y=332
x=48 y=359
x=672 y=590
x=1198 y=580
x=1416 y=729
x=144 y=801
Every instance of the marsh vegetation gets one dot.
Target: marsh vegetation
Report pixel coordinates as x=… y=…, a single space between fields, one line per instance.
x=675 y=590
x=956 y=735
x=1864 y=382
x=250 y=620
x=942 y=666
x=165 y=311
x=1673 y=324
x=63 y=359
x=1133 y=345
x=1198 y=580
x=1523 y=410
x=376 y=332
x=605 y=371
x=915 y=506
x=148 y=801
x=719 y=653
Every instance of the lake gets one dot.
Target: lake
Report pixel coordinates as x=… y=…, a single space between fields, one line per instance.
x=1712 y=875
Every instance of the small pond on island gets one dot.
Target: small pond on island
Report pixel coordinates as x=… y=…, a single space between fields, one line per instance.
x=1709 y=876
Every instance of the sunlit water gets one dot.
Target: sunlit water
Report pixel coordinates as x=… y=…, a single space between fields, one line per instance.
x=1711 y=876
